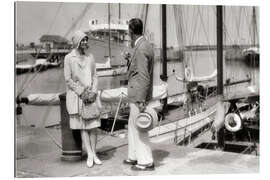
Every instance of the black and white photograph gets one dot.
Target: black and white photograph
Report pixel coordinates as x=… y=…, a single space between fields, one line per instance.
x=136 y=89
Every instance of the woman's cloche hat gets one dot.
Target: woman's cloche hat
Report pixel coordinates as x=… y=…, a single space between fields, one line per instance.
x=77 y=38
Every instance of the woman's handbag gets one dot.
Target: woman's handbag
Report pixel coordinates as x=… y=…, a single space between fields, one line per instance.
x=90 y=111
x=91 y=97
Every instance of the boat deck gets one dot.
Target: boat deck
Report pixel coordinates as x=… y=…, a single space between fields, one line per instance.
x=38 y=155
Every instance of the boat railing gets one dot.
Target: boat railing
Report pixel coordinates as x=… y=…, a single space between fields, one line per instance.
x=105 y=21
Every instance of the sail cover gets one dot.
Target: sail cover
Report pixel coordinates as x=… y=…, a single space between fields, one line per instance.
x=109 y=95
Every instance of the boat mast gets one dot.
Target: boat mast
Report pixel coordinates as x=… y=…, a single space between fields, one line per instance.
x=119 y=12
x=119 y=17
x=164 y=76
x=220 y=133
x=254 y=25
x=219 y=51
x=109 y=23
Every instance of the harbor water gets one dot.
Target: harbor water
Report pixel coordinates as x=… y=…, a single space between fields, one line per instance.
x=203 y=63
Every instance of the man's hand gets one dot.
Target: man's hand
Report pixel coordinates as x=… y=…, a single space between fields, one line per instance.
x=141 y=106
x=126 y=55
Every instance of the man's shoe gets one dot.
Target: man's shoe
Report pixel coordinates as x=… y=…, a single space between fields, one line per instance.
x=130 y=162
x=139 y=167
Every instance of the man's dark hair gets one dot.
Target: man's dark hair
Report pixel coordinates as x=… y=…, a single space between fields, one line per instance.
x=136 y=25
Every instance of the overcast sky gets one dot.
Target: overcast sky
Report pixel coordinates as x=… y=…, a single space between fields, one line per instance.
x=37 y=18
x=33 y=19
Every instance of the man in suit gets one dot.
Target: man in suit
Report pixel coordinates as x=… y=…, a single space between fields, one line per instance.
x=140 y=83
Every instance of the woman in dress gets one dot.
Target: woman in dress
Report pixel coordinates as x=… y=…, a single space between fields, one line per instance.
x=81 y=81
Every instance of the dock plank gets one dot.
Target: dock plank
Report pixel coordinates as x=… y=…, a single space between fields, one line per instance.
x=169 y=159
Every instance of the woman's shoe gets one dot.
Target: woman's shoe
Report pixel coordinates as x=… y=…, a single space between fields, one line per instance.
x=90 y=162
x=97 y=160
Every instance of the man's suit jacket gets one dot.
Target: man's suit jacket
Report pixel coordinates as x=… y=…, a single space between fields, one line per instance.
x=140 y=72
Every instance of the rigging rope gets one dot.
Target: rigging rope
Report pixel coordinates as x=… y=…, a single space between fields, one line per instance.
x=244 y=22
x=87 y=7
x=206 y=35
x=26 y=84
x=44 y=119
x=178 y=16
x=198 y=22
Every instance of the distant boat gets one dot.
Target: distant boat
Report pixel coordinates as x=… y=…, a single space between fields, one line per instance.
x=39 y=65
x=250 y=52
x=109 y=36
x=42 y=64
x=251 y=56
x=116 y=30
x=109 y=40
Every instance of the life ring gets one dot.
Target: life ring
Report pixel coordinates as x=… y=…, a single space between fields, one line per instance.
x=233 y=122
x=188 y=74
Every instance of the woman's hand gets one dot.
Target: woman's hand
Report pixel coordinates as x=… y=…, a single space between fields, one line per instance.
x=88 y=96
x=92 y=97
x=84 y=95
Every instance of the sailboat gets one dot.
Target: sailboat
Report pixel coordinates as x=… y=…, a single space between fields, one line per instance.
x=214 y=108
x=195 y=114
x=237 y=121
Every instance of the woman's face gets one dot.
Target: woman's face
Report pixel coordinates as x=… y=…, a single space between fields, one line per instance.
x=84 y=43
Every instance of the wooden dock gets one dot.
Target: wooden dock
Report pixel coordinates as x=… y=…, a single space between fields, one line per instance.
x=38 y=155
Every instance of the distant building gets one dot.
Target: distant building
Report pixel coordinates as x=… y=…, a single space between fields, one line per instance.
x=54 y=42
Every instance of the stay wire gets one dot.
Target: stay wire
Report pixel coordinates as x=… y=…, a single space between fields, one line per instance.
x=205 y=33
x=38 y=51
x=179 y=35
x=49 y=108
x=26 y=84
